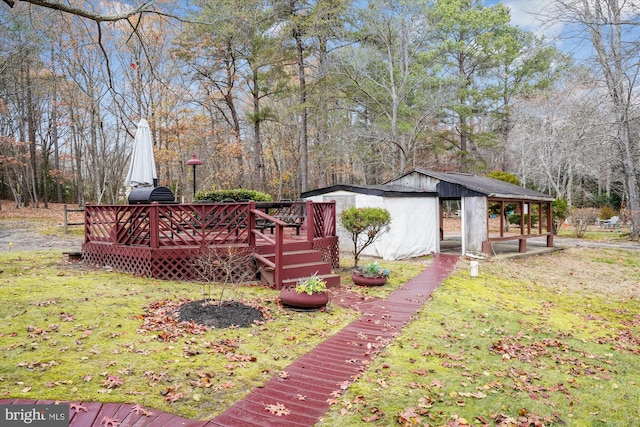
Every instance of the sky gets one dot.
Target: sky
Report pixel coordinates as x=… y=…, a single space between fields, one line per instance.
x=523 y=13
x=526 y=14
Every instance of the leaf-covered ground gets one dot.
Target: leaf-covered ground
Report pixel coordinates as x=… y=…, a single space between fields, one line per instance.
x=548 y=340
x=73 y=333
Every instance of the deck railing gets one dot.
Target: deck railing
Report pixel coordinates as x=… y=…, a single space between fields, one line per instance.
x=197 y=224
x=193 y=227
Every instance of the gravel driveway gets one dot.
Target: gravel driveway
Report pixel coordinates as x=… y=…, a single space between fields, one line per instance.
x=27 y=236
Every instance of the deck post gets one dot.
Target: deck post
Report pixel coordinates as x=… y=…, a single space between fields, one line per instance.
x=154 y=232
x=252 y=224
x=522 y=246
x=87 y=229
x=277 y=279
x=310 y=220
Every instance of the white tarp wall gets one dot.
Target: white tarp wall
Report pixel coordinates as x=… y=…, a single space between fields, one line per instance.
x=414 y=228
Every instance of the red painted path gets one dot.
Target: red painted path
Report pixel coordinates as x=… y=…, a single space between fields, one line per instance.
x=313 y=379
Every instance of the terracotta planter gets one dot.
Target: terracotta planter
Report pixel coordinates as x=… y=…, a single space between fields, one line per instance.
x=359 y=279
x=290 y=298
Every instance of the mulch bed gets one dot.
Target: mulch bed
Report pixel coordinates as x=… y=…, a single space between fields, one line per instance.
x=213 y=314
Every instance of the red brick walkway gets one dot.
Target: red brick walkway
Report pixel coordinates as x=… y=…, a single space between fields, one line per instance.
x=312 y=380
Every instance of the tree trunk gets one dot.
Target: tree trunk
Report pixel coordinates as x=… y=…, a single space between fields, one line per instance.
x=304 y=137
x=31 y=134
x=257 y=139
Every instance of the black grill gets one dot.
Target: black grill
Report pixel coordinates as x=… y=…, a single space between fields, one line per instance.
x=147 y=195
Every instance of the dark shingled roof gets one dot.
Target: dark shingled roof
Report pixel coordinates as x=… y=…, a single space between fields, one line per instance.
x=383 y=190
x=457 y=184
x=488 y=186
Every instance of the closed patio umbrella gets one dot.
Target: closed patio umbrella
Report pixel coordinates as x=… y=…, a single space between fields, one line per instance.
x=142 y=169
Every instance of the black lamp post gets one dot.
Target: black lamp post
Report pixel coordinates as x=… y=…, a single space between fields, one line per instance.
x=194 y=161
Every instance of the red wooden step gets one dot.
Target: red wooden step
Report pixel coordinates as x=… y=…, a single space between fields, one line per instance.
x=291 y=271
x=297 y=257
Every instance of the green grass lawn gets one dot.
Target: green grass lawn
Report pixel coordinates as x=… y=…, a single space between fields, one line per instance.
x=78 y=334
x=554 y=338
x=500 y=350
x=620 y=234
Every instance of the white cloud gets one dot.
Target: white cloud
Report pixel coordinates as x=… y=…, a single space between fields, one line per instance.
x=530 y=14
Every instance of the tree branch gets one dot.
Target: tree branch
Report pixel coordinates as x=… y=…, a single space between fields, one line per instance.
x=93 y=16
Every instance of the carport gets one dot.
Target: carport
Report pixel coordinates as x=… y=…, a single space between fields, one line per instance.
x=415 y=202
x=484 y=206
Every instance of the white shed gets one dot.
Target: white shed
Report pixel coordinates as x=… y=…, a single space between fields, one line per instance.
x=413 y=231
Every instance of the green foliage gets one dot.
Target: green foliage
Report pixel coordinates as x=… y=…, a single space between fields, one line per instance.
x=373 y=270
x=364 y=225
x=515 y=219
x=65 y=340
x=311 y=285
x=504 y=176
x=503 y=347
x=606 y=212
x=560 y=210
x=611 y=201
x=240 y=194
x=494 y=208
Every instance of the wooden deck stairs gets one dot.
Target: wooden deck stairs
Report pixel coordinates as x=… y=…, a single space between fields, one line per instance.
x=299 y=261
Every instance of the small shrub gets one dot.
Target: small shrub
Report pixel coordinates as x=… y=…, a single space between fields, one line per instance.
x=560 y=211
x=515 y=219
x=580 y=219
x=364 y=225
x=228 y=267
x=239 y=194
x=606 y=212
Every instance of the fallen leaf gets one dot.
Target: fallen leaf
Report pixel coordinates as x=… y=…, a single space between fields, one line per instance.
x=278 y=409
x=112 y=381
x=78 y=407
x=110 y=422
x=283 y=374
x=173 y=397
x=141 y=411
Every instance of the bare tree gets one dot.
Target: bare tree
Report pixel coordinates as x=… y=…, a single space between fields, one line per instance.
x=560 y=140
x=92 y=15
x=611 y=27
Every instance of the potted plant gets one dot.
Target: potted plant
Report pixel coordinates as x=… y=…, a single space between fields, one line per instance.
x=370 y=275
x=310 y=293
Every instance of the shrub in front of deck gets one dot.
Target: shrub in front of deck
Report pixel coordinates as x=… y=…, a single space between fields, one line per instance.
x=364 y=225
x=238 y=195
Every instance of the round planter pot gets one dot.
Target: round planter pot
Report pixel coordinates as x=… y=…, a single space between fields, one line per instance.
x=290 y=298
x=359 y=279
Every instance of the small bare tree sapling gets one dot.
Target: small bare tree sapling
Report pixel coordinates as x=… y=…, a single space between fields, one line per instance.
x=228 y=267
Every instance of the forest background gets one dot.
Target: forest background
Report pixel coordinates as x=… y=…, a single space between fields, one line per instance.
x=284 y=96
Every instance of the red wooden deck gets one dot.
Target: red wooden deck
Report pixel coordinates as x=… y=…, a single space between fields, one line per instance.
x=344 y=356
x=162 y=240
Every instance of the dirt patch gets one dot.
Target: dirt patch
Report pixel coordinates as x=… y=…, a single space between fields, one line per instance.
x=31 y=228
x=225 y=315
x=29 y=236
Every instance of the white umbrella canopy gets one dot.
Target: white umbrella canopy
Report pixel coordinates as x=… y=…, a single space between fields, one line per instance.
x=142 y=169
